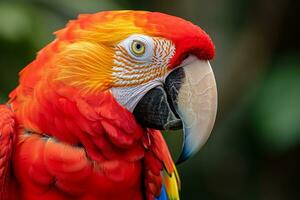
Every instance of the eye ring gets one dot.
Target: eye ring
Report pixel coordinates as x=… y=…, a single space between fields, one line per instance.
x=138 y=48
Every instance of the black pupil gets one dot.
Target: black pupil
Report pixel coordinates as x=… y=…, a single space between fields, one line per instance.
x=138 y=46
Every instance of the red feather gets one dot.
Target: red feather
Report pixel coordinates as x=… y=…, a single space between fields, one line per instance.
x=71 y=144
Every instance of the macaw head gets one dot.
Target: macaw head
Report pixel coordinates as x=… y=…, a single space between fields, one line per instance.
x=155 y=65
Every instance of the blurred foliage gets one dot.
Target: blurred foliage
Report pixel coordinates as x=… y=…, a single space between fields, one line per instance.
x=254 y=150
x=277 y=111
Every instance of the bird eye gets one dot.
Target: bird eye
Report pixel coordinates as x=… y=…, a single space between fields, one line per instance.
x=138 y=48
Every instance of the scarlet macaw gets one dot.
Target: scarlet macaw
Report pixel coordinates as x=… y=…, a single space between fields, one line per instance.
x=83 y=122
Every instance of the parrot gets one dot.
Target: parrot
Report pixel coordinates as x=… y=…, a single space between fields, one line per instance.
x=85 y=120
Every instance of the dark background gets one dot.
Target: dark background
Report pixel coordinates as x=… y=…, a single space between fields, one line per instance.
x=254 y=150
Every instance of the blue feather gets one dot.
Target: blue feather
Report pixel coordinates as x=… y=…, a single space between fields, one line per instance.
x=163 y=195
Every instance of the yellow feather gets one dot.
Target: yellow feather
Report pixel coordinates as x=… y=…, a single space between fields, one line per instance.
x=86 y=62
x=172 y=184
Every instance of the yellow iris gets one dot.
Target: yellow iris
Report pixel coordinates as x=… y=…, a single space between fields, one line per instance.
x=138 y=48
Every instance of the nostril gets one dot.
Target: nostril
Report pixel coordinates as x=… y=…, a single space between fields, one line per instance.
x=185 y=56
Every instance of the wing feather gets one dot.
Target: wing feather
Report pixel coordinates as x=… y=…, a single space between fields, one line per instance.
x=161 y=177
x=7 y=136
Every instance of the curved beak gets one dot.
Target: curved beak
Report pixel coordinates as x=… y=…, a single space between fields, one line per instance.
x=196 y=105
x=188 y=100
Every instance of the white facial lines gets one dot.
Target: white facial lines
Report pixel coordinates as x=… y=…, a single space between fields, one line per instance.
x=128 y=71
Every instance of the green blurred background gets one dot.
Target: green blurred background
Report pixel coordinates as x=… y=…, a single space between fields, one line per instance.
x=254 y=150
